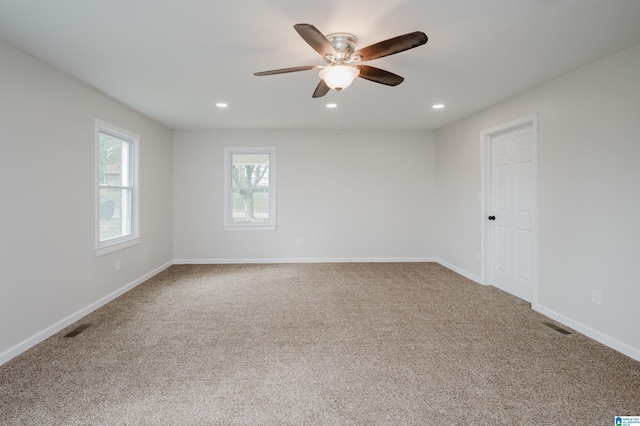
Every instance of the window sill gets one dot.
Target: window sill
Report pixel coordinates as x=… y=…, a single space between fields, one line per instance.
x=117 y=246
x=250 y=228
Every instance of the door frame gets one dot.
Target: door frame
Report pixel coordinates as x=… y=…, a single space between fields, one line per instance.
x=485 y=197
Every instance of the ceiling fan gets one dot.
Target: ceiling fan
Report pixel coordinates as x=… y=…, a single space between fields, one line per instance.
x=338 y=51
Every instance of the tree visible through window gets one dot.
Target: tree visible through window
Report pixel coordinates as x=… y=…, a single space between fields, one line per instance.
x=250 y=188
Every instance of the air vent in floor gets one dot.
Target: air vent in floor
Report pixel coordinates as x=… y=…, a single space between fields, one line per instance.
x=556 y=328
x=79 y=329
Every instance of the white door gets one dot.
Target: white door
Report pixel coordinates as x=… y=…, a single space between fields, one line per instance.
x=511 y=210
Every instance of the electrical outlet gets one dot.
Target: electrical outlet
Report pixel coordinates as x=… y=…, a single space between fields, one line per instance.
x=298 y=241
x=596 y=297
x=118 y=264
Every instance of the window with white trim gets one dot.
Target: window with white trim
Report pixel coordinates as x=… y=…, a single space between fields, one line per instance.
x=250 y=189
x=116 y=163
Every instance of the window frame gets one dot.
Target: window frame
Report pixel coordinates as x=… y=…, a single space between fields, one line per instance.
x=129 y=240
x=228 y=191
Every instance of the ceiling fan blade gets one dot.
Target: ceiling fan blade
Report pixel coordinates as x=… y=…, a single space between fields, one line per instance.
x=286 y=70
x=379 y=76
x=315 y=39
x=321 y=89
x=393 y=45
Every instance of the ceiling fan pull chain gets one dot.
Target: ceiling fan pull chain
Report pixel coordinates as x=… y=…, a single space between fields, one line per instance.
x=339 y=112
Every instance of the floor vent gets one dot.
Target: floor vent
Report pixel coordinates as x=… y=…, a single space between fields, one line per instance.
x=556 y=328
x=79 y=329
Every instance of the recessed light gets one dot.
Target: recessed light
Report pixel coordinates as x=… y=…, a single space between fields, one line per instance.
x=438 y=106
x=221 y=105
x=332 y=105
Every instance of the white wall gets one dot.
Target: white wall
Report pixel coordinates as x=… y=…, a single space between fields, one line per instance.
x=353 y=196
x=371 y=196
x=589 y=201
x=49 y=274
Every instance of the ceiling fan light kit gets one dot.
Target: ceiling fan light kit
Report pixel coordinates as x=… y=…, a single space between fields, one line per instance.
x=338 y=51
x=339 y=77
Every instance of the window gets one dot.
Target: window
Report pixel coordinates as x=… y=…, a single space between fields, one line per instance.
x=250 y=189
x=116 y=188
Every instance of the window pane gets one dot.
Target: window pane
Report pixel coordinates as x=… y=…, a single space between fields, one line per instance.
x=115 y=213
x=250 y=188
x=113 y=159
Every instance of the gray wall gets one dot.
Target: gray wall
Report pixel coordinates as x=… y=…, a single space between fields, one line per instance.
x=49 y=274
x=354 y=196
x=589 y=201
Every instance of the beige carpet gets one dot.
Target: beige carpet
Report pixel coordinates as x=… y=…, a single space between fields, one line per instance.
x=317 y=344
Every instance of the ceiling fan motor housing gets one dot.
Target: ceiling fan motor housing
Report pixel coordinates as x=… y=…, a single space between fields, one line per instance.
x=344 y=43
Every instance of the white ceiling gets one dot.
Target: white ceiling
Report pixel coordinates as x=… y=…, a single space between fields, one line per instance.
x=174 y=59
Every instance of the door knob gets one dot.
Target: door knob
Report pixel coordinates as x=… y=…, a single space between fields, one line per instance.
x=492 y=218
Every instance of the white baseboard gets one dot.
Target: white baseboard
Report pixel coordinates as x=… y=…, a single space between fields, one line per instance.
x=65 y=322
x=460 y=271
x=304 y=260
x=609 y=341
